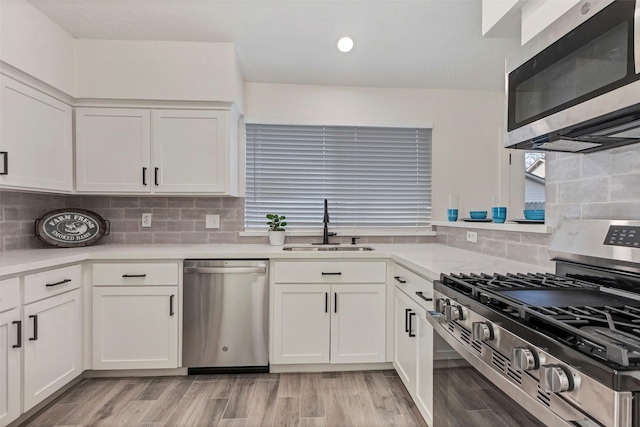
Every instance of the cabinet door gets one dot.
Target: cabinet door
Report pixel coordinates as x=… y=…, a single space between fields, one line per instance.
x=301 y=324
x=35 y=139
x=113 y=150
x=10 y=352
x=52 y=345
x=190 y=153
x=424 y=367
x=135 y=327
x=358 y=323
x=405 y=341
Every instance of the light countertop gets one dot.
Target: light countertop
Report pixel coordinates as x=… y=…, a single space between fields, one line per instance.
x=428 y=259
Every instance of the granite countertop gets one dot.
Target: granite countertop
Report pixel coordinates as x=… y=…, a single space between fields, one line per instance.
x=428 y=259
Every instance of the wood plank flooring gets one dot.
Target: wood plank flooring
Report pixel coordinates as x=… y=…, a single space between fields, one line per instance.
x=331 y=399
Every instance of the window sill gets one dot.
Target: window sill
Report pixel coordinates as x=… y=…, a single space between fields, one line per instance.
x=507 y=226
x=347 y=232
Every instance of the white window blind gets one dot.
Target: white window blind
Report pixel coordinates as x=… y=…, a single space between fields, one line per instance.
x=373 y=177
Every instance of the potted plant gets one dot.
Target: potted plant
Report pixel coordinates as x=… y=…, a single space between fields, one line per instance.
x=276 y=229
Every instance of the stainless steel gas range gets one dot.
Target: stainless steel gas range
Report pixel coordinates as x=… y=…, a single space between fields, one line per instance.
x=565 y=346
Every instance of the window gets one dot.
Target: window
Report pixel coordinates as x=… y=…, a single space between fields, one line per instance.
x=373 y=177
x=534 y=182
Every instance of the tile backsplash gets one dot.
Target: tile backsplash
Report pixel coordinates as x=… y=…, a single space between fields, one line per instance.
x=175 y=220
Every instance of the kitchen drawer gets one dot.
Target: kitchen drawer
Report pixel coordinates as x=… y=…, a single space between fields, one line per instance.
x=330 y=272
x=9 y=293
x=135 y=273
x=410 y=283
x=52 y=282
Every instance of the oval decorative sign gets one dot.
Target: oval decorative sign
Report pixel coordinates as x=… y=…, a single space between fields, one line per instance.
x=68 y=228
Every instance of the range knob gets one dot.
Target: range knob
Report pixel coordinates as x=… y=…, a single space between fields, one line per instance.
x=441 y=303
x=454 y=312
x=482 y=331
x=523 y=359
x=554 y=379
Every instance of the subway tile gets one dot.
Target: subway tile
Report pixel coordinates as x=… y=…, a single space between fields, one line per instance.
x=565 y=169
x=233 y=203
x=583 y=191
x=493 y=247
x=116 y=214
x=209 y=202
x=125 y=226
x=181 y=202
x=153 y=202
x=222 y=237
x=10 y=198
x=625 y=187
x=169 y=214
x=622 y=210
x=193 y=237
x=88 y=202
x=180 y=226
x=10 y=229
x=124 y=202
x=522 y=252
x=626 y=159
x=135 y=213
x=539 y=239
x=555 y=214
x=551 y=193
x=506 y=235
x=596 y=164
x=136 y=238
x=166 y=237
x=193 y=214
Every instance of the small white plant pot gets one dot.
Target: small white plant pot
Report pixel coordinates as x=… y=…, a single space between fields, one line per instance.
x=276 y=238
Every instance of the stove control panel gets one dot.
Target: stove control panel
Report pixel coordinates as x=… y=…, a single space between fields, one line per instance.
x=623 y=235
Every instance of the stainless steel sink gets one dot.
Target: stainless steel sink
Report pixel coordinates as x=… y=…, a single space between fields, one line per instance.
x=328 y=248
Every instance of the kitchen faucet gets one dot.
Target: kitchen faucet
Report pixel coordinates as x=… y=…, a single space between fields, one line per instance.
x=325 y=221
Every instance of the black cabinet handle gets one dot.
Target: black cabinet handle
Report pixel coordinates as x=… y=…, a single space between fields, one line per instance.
x=326 y=302
x=62 y=282
x=421 y=295
x=411 y=334
x=335 y=302
x=134 y=275
x=399 y=279
x=5 y=163
x=406 y=319
x=144 y=176
x=155 y=175
x=35 y=327
x=171 y=313
x=19 y=340
x=331 y=274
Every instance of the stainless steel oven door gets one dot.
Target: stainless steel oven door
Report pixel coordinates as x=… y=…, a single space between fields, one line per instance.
x=463 y=384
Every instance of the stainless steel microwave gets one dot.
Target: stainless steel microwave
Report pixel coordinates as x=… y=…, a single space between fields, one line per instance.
x=576 y=86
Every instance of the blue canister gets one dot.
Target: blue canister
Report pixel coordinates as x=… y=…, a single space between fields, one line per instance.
x=452 y=214
x=499 y=214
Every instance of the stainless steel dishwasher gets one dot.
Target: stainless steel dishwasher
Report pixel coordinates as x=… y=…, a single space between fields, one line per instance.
x=225 y=316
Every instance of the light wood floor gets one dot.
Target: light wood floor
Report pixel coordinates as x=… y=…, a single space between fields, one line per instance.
x=367 y=399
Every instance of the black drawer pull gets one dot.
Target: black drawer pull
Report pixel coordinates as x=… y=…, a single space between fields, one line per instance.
x=5 y=163
x=62 y=282
x=406 y=319
x=144 y=176
x=399 y=279
x=19 y=340
x=331 y=274
x=171 y=313
x=134 y=275
x=35 y=327
x=411 y=334
x=421 y=295
x=335 y=302
x=155 y=175
x=326 y=302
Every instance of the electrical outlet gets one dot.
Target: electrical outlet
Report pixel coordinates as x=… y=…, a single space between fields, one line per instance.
x=146 y=220
x=472 y=236
x=212 y=221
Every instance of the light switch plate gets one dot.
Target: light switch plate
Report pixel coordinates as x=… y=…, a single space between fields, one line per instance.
x=472 y=236
x=146 y=220
x=212 y=221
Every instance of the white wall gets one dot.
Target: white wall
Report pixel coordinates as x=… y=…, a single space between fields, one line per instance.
x=36 y=45
x=156 y=70
x=466 y=128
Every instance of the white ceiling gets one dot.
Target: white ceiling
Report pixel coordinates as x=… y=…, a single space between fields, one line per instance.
x=399 y=43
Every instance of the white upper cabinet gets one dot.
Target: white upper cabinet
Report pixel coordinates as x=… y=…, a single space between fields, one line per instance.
x=35 y=140
x=113 y=150
x=138 y=151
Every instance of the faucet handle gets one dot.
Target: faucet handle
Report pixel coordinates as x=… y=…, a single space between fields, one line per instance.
x=353 y=240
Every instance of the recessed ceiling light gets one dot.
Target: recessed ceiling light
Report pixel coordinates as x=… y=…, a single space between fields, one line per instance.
x=345 y=44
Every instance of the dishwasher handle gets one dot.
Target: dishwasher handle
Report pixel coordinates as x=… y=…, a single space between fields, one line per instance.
x=225 y=270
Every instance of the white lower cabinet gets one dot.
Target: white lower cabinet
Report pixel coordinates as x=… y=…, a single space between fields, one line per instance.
x=52 y=345
x=10 y=365
x=424 y=367
x=135 y=327
x=328 y=323
x=405 y=342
